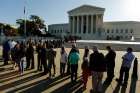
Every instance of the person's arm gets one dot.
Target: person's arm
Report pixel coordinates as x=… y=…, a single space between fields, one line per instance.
x=66 y=57
x=90 y=62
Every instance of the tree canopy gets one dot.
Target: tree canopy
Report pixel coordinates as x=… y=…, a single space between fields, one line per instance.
x=33 y=25
x=8 y=30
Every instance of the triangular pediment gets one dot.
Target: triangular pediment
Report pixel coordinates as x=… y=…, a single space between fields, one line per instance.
x=85 y=9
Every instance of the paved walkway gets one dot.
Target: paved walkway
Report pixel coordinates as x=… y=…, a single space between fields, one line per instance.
x=33 y=82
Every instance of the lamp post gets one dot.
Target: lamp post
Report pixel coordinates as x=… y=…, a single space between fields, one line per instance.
x=25 y=18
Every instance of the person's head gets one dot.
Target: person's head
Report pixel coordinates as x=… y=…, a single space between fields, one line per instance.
x=50 y=46
x=86 y=51
x=44 y=45
x=108 y=48
x=62 y=49
x=17 y=45
x=74 y=45
x=95 y=49
x=86 y=47
x=129 y=49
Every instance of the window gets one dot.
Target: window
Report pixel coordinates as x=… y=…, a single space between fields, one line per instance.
x=126 y=30
x=131 y=31
x=117 y=30
x=112 y=31
x=121 y=30
x=126 y=37
x=52 y=31
x=107 y=30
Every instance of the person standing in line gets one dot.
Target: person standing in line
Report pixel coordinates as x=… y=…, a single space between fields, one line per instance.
x=110 y=60
x=38 y=49
x=18 y=56
x=22 y=56
x=74 y=57
x=51 y=60
x=68 y=64
x=43 y=57
x=30 y=56
x=6 y=52
x=85 y=67
x=97 y=67
x=63 y=61
x=125 y=67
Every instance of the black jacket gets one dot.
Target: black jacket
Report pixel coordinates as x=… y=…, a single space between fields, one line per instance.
x=97 y=62
x=110 y=58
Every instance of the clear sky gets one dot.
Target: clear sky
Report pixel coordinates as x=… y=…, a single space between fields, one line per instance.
x=55 y=11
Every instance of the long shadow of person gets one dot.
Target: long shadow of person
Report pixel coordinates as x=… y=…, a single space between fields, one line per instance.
x=133 y=85
x=106 y=84
x=42 y=85
x=134 y=77
x=123 y=89
x=69 y=88
x=117 y=88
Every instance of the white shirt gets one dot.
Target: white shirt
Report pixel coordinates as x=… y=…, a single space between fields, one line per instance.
x=128 y=59
x=12 y=44
x=64 y=58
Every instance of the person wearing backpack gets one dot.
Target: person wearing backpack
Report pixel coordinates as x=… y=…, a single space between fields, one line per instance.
x=97 y=66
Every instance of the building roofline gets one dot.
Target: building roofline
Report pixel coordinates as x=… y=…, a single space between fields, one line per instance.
x=122 y=22
x=86 y=5
x=59 y=24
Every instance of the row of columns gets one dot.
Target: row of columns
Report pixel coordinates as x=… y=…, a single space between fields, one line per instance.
x=85 y=24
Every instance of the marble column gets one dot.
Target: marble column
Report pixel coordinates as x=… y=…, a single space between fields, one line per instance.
x=73 y=23
x=78 y=24
x=91 y=23
x=94 y=24
x=82 y=23
x=97 y=25
x=87 y=23
x=70 y=24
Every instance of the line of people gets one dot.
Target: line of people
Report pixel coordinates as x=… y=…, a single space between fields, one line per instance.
x=94 y=64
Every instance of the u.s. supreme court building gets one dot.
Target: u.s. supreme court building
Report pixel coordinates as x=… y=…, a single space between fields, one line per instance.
x=87 y=23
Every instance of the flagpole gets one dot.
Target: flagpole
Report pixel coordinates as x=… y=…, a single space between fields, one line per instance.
x=25 y=19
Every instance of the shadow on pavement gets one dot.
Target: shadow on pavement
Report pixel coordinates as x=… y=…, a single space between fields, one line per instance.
x=133 y=85
x=69 y=88
x=7 y=75
x=117 y=88
x=16 y=76
x=39 y=86
x=106 y=84
x=18 y=82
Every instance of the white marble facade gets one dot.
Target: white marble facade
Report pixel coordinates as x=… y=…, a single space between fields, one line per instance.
x=87 y=22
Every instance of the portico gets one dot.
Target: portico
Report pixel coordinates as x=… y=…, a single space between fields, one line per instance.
x=86 y=20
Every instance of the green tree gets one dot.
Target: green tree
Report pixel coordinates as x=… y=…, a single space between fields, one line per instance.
x=33 y=25
x=9 y=30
